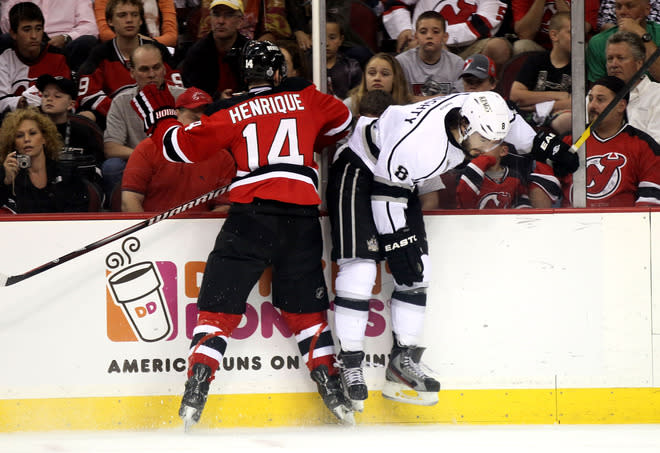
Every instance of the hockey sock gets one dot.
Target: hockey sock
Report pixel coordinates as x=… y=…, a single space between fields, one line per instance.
x=408 y=308
x=209 y=340
x=313 y=337
x=351 y=317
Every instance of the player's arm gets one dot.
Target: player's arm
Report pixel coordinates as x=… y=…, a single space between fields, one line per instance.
x=155 y=106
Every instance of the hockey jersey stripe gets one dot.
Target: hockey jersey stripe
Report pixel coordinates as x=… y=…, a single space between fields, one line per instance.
x=386 y=190
x=473 y=177
x=173 y=151
x=289 y=171
x=648 y=193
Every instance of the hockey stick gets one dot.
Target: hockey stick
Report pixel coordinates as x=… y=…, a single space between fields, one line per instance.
x=11 y=279
x=638 y=75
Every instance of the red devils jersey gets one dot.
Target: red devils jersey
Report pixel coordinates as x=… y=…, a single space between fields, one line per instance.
x=106 y=73
x=623 y=170
x=271 y=132
x=477 y=190
x=16 y=76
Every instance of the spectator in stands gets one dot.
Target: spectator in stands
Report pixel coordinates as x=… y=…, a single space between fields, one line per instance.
x=500 y=180
x=159 y=17
x=631 y=15
x=30 y=57
x=382 y=72
x=58 y=100
x=213 y=63
x=69 y=26
x=32 y=178
x=607 y=15
x=124 y=129
x=152 y=183
x=296 y=63
x=430 y=68
x=344 y=72
x=106 y=72
x=543 y=86
x=471 y=26
x=531 y=21
x=625 y=54
x=479 y=73
x=623 y=163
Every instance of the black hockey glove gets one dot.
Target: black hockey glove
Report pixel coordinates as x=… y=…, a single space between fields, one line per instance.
x=547 y=145
x=153 y=104
x=404 y=256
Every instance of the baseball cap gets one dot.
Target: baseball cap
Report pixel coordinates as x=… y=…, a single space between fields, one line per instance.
x=480 y=66
x=233 y=4
x=193 y=98
x=65 y=85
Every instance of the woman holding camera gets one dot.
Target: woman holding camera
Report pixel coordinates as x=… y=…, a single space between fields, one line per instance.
x=33 y=179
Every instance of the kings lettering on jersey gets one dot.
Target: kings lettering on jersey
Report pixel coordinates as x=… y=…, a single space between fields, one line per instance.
x=284 y=103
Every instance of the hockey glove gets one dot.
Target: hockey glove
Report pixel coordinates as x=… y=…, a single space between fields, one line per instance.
x=404 y=256
x=547 y=145
x=153 y=104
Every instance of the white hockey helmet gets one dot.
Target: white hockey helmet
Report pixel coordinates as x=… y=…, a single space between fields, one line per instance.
x=488 y=114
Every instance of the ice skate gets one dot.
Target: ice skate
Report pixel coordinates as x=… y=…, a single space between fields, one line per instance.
x=330 y=389
x=352 y=378
x=194 y=395
x=405 y=381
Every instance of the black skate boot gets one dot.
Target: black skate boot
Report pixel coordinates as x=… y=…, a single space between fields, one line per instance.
x=404 y=373
x=352 y=378
x=194 y=395
x=330 y=389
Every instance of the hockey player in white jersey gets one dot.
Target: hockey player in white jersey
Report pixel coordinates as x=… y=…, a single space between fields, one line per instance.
x=375 y=212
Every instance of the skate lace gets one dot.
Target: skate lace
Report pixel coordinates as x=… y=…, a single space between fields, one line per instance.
x=413 y=368
x=353 y=376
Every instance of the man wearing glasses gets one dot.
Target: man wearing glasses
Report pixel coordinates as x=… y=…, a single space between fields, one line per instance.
x=212 y=63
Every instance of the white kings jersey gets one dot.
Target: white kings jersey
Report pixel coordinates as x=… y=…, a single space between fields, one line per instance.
x=467 y=20
x=415 y=145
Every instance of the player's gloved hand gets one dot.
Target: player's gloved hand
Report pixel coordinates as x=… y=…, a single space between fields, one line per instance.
x=547 y=145
x=153 y=104
x=404 y=256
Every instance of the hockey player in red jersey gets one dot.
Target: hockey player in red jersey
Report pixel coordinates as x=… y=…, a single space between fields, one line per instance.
x=623 y=163
x=271 y=131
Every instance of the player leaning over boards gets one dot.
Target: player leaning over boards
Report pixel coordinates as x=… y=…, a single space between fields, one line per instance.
x=405 y=146
x=271 y=131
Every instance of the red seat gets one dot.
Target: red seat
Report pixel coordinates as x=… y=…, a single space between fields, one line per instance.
x=366 y=24
x=510 y=72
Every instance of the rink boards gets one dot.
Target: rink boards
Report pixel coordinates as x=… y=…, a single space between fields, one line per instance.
x=533 y=317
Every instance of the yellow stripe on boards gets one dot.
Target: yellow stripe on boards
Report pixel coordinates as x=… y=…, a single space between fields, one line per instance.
x=526 y=406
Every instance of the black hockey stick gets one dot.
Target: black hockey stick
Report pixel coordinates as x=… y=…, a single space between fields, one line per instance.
x=638 y=75
x=11 y=279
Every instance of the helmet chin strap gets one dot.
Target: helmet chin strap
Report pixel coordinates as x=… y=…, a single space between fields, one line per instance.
x=463 y=136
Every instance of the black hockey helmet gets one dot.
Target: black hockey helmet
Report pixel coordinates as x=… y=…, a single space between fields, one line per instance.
x=260 y=60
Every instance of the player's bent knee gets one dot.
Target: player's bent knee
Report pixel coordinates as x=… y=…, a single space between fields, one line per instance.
x=356 y=278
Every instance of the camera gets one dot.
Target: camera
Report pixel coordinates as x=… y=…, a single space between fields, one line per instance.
x=24 y=161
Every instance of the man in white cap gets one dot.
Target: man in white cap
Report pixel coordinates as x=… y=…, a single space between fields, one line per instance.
x=212 y=63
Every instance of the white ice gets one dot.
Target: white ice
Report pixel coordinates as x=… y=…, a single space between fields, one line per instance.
x=339 y=439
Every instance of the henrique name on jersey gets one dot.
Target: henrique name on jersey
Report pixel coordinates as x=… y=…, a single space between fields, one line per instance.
x=284 y=103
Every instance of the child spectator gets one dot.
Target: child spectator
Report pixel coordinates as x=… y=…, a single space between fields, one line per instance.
x=30 y=57
x=382 y=72
x=158 y=17
x=296 y=62
x=543 y=86
x=430 y=68
x=343 y=72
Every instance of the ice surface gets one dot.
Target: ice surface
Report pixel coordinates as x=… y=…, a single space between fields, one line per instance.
x=341 y=439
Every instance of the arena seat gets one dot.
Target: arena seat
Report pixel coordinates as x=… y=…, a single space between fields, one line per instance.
x=510 y=71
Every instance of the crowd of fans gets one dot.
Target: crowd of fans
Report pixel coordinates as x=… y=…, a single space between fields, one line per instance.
x=70 y=67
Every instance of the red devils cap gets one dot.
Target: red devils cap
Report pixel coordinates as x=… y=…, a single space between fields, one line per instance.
x=480 y=66
x=193 y=98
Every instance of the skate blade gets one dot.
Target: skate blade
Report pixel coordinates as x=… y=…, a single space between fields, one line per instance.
x=187 y=413
x=404 y=394
x=358 y=405
x=346 y=417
